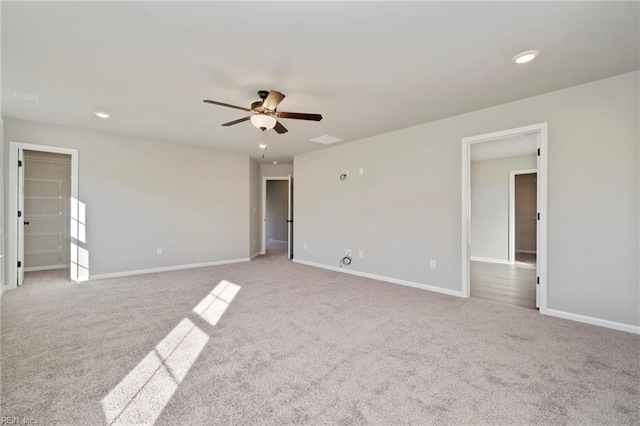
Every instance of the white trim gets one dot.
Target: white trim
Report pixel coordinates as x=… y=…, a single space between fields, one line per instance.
x=253 y=256
x=263 y=226
x=541 y=130
x=635 y=329
x=490 y=260
x=512 y=211
x=382 y=278
x=526 y=251
x=45 y=268
x=166 y=269
x=12 y=207
x=279 y=241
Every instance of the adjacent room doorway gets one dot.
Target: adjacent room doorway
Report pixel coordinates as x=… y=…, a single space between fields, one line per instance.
x=277 y=215
x=503 y=235
x=523 y=210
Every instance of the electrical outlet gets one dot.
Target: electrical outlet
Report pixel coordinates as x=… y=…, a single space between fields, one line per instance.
x=361 y=254
x=159 y=251
x=361 y=171
x=432 y=264
x=348 y=252
x=305 y=246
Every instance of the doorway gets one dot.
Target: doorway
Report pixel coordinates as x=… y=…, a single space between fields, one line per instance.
x=492 y=266
x=46 y=211
x=277 y=215
x=523 y=210
x=43 y=185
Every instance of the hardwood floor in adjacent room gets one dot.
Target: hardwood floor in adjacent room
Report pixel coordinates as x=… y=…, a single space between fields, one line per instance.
x=511 y=284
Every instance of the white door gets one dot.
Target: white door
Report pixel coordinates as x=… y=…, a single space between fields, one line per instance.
x=290 y=218
x=538 y=251
x=20 y=216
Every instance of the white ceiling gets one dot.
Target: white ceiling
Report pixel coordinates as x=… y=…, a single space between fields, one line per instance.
x=505 y=148
x=368 y=67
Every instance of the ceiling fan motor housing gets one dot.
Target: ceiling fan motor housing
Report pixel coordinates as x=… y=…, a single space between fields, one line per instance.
x=257 y=106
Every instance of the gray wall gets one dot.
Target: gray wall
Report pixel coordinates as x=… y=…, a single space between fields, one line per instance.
x=406 y=208
x=276 y=170
x=490 y=204
x=255 y=189
x=277 y=206
x=142 y=194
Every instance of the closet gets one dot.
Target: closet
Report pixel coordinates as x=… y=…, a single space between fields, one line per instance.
x=47 y=192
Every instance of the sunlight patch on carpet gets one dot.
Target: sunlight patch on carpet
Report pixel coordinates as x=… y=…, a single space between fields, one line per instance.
x=142 y=395
x=213 y=306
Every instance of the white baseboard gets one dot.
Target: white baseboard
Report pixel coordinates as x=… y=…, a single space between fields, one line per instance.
x=166 y=269
x=45 y=268
x=526 y=251
x=382 y=278
x=253 y=256
x=635 y=329
x=490 y=260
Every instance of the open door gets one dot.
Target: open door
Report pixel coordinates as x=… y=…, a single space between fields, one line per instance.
x=290 y=218
x=20 y=216
x=538 y=243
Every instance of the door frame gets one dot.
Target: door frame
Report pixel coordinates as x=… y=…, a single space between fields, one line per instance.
x=12 y=208
x=263 y=249
x=542 y=130
x=512 y=210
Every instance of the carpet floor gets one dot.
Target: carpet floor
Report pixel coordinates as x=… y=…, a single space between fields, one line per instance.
x=272 y=342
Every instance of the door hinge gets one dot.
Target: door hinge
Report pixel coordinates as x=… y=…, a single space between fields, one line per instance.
x=19 y=213
x=538 y=215
x=19 y=163
x=538 y=152
x=19 y=264
x=537 y=280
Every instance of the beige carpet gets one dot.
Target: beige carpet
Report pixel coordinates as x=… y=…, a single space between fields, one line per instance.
x=299 y=345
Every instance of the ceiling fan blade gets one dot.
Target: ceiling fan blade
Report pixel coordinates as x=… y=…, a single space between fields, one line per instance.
x=240 y=120
x=226 y=105
x=280 y=128
x=300 y=116
x=273 y=100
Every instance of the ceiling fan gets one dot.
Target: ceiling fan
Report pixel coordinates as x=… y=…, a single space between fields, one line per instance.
x=265 y=112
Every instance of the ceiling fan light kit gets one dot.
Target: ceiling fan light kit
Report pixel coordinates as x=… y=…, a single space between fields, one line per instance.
x=265 y=112
x=263 y=121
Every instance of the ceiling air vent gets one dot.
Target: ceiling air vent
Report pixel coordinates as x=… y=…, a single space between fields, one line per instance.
x=326 y=139
x=26 y=97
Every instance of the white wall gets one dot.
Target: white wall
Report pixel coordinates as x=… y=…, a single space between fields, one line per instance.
x=406 y=209
x=277 y=209
x=255 y=188
x=490 y=204
x=276 y=170
x=141 y=195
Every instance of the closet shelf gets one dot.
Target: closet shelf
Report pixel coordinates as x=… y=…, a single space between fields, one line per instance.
x=58 y=250
x=42 y=234
x=36 y=197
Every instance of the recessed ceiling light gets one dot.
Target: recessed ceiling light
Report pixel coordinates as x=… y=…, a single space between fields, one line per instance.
x=101 y=114
x=262 y=146
x=275 y=162
x=526 y=56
